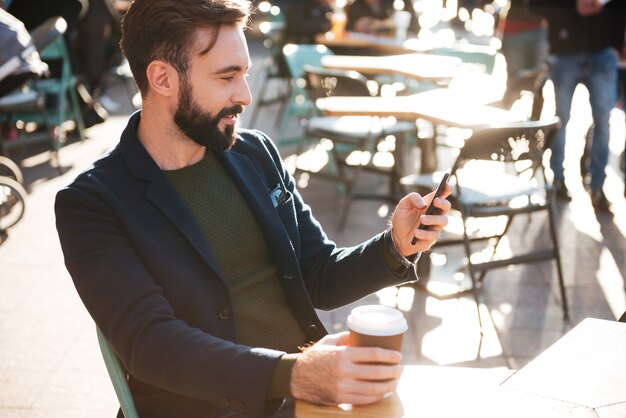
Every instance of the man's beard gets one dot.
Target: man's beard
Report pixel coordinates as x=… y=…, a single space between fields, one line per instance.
x=202 y=126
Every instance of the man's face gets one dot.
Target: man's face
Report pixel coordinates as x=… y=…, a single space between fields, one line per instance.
x=218 y=78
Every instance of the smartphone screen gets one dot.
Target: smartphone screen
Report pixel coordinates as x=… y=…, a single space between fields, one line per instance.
x=431 y=207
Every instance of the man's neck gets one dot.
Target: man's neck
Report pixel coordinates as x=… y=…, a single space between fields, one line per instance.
x=167 y=145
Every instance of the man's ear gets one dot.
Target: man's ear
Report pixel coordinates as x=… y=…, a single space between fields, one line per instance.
x=162 y=78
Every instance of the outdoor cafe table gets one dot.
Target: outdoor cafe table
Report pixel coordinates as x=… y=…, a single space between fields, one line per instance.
x=417 y=66
x=582 y=375
x=439 y=106
x=382 y=44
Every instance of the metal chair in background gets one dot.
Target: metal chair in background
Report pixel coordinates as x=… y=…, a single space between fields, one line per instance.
x=499 y=173
x=527 y=82
x=298 y=106
x=62 y=89
x=356 y=141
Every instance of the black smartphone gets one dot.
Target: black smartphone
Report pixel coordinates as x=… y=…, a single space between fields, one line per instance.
x=431 y=208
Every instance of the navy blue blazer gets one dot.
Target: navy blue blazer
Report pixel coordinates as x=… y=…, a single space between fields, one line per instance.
x=149 y=280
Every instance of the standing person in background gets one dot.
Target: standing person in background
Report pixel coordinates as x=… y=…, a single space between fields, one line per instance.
x=195 y=254
x=585 y=37
x=524 y=40
x=372 y=16
x=96 y=44
x=306 y=19
x=34 y=12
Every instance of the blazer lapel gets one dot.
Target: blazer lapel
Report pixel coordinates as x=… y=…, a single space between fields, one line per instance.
x=162 y=194
x=164 y=197
x=256 y=193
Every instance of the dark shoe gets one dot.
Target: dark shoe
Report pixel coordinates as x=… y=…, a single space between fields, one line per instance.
x=599 y=201
x=560 y=190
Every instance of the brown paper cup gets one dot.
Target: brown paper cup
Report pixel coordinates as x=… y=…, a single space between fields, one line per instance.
x=391 y=342
x=376 y=326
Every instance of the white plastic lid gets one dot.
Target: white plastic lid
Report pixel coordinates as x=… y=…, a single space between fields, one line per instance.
x=377 y=320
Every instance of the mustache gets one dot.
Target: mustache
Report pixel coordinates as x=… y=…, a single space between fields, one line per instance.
x=228 y=111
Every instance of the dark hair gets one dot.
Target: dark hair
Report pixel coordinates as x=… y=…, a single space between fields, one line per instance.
x=165 y=30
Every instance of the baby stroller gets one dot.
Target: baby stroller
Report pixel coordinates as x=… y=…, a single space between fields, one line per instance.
x=19 y=62
x=12 y=196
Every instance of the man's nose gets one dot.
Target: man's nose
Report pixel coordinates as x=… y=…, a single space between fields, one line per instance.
x=243 y=96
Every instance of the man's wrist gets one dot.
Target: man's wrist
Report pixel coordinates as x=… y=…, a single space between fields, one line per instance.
x=280 y=385
x=396 y=261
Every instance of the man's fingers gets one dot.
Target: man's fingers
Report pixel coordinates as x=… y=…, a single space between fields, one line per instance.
x=361 y=392
x=327 y=374
x=374 y=372
x=434 y=221
x=373 y=355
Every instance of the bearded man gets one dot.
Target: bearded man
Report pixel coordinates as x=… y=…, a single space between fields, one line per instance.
x=196 y=256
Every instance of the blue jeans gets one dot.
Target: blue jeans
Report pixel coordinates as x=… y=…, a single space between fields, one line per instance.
x=598 y=72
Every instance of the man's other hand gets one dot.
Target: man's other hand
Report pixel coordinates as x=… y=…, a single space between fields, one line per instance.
x=332 y=373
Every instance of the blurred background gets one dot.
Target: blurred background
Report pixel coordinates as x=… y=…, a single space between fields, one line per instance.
x=66 y=93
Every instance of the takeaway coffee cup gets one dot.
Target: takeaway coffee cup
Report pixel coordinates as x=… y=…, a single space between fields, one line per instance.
x=376 y=326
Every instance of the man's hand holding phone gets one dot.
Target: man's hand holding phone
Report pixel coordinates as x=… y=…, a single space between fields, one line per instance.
x=417 y=221
x=432 y=209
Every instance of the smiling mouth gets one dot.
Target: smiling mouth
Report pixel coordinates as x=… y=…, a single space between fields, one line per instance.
x=230 y=119
x=231 y=114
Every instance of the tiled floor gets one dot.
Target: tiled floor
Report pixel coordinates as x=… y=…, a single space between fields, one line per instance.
x=50 y=365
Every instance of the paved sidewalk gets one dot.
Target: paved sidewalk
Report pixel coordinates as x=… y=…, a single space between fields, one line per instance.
x=50 y=365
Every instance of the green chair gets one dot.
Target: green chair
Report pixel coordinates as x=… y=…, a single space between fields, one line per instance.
x=62 y=88
x=118 y=377
x=59 y=95
x=296 y=57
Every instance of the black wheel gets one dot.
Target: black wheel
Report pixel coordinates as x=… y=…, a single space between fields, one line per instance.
x=12 y=202
x=9 y=169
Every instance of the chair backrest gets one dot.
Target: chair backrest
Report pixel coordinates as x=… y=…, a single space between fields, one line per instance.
x=297 y=56
x=510 y=143
x=57 y=50
x=44 y=34
x=532 y=81
x=322 y=82
x=117 y=374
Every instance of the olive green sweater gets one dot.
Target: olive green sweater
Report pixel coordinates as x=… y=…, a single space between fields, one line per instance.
x=262 y=316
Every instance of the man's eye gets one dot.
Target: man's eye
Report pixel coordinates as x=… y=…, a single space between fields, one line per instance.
x=228 y=78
